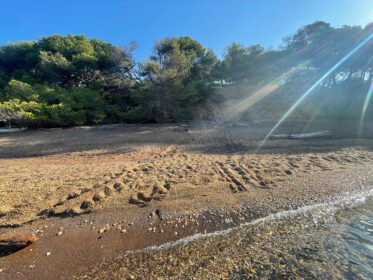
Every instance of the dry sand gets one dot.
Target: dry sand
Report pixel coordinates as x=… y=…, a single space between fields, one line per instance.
x=109 y=189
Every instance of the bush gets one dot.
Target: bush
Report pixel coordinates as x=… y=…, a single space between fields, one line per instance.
x=20 y=113
x=43 y=106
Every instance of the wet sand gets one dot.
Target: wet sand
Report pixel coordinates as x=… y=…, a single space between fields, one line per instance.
x=117 y=188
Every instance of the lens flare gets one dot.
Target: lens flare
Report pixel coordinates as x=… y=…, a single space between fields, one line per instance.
x=300 y=100
x=248 y=102
x=365 y=107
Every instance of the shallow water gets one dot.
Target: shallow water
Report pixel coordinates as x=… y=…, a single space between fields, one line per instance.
x=355 y=229
x=333 y=245
x=326 y=241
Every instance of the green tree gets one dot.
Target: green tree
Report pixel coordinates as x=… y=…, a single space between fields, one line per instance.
x=175 y=81
x=66 y=61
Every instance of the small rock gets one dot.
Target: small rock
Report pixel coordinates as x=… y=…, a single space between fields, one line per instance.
x=48 y=254
x=60 y=233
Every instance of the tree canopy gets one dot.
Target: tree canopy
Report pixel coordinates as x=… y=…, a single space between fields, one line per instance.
x=72 y=80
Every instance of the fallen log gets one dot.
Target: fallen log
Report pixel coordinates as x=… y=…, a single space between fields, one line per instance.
x=301 y=135
x=10 y=244
x=13 y=129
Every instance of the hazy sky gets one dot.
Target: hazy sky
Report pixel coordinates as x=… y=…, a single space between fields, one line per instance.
x=214 y=23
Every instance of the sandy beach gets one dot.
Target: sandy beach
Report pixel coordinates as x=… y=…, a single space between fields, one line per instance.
x=91 y=194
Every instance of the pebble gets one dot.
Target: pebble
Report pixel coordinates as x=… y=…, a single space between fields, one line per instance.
x=48 y=254
x=60 y=233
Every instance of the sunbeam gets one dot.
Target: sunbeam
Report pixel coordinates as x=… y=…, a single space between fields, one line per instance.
x=365 y=107
x=300 y=100
x=270 y=87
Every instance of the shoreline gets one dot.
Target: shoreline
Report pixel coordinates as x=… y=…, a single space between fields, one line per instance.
x=245 y=251
x=207 y=192
x=70 y=250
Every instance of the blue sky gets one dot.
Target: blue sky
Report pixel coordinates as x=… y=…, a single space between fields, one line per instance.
x=215 y=24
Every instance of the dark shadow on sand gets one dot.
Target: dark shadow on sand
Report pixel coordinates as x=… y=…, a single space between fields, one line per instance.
x=118 y=139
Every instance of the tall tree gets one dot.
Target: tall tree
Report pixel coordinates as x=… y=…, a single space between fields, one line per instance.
x=175 y=80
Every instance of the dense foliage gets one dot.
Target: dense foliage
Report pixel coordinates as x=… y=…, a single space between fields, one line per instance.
x=72 y=80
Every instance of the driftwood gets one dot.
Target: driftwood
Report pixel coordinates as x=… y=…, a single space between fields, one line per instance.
x=9 y=244
x=13 y=129
x=301 y=135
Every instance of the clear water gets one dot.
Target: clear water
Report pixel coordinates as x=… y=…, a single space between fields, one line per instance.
x=323 y=243
x=333 y=240
x=351 y=235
